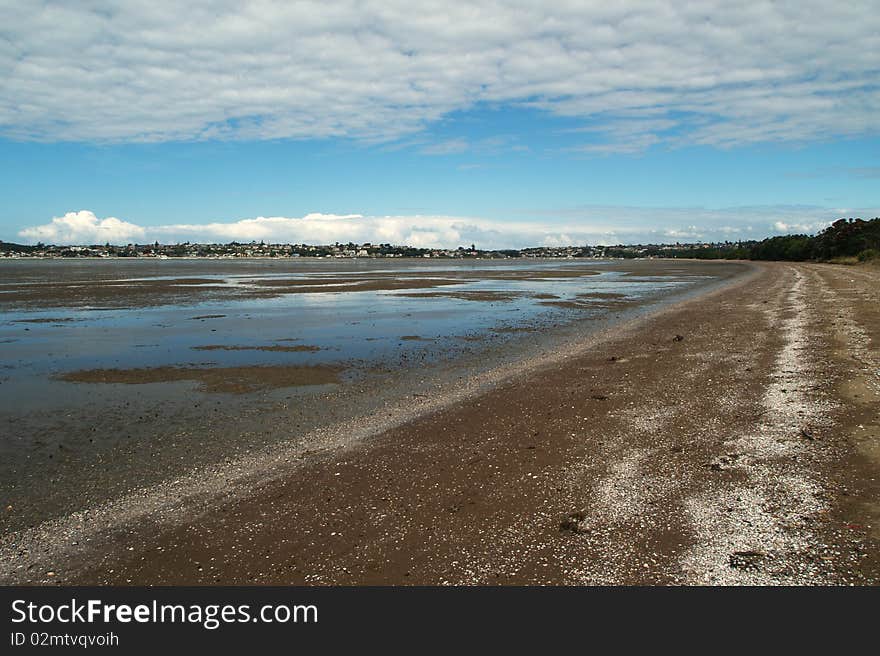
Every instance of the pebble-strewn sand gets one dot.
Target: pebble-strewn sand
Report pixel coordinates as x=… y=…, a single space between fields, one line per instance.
x=731 y=439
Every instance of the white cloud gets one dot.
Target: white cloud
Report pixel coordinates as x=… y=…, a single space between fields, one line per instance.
x=711 y=72
x=689 y=233
x=449 y=147
x=788 y=228
x=84 y=227
x=557 y=240
x=581 y=225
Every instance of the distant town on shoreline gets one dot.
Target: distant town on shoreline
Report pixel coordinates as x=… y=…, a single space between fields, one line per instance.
x=337 y=250
x=845 y=238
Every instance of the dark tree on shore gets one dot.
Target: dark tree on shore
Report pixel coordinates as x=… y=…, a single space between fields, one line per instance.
x=845 y=238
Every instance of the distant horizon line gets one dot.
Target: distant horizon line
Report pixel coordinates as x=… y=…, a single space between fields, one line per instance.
x=362 y=245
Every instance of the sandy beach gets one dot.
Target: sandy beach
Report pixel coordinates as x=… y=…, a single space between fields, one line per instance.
x=729 y=438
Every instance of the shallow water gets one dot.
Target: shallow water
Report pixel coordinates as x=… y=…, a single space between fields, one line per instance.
x=362 y=326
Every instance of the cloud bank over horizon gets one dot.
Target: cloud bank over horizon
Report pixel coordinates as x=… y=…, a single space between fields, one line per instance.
x=584 y=225
x=635 y=74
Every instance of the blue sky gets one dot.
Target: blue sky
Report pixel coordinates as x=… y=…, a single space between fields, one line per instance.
x=498 y=123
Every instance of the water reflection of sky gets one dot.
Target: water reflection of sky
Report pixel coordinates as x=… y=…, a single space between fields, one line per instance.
x=365 y=327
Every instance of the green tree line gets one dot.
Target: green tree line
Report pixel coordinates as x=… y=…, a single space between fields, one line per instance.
x=845 y=238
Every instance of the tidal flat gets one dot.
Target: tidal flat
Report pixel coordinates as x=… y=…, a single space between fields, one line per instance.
x=120 y=374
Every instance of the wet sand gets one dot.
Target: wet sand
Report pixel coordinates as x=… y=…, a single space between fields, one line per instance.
x=729 y=439
x=236 y=280
x=482 y=296
x=98 y=404
x=275 y=348
x=229 y=380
